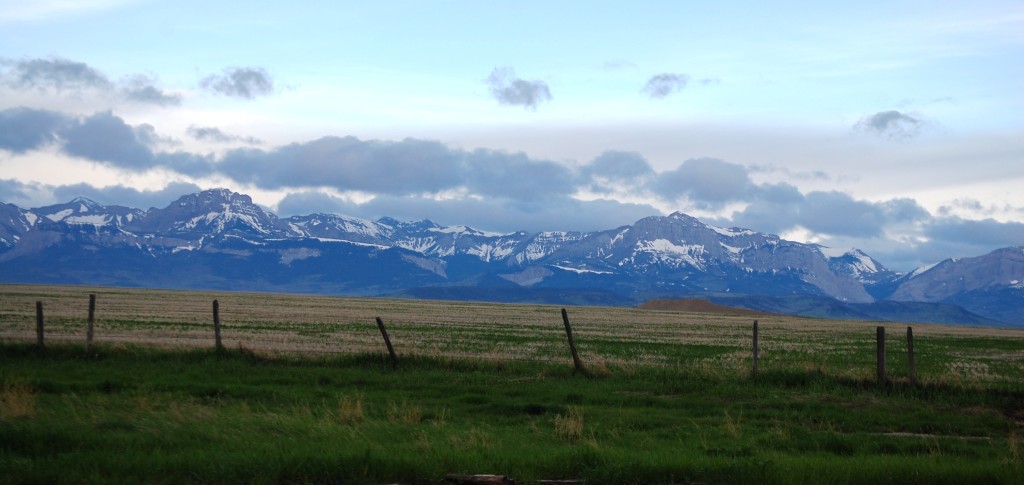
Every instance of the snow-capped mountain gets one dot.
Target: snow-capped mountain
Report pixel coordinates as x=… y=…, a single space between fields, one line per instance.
x=221 y=239
x=991 y=285
x=210 y=213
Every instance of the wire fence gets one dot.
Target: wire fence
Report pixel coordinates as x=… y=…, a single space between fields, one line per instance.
x=608 y=339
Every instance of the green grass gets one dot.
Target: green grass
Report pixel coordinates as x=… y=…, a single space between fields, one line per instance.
x=131 y=414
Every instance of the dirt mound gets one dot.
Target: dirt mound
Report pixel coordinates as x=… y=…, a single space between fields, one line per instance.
x=696 y=305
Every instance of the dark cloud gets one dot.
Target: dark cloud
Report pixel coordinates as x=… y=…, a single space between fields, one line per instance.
x=313 y=202
x=986 y=232
x=515 y=176
x=781 y=207
x=24 y=129
x=709 y=182
x=142 y=89
x=57 y=74
x=840 y=214
x=616 y=170
x=662 y=85
x=892 y=125
x=104 y=137
x=240 y=82
x=213 y=134
x=511 y=90
x=65 y=76
x=408 y=167
x=126 y=196
x=21 y=194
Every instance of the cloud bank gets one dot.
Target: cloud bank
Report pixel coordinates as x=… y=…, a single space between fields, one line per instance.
x=493 y=189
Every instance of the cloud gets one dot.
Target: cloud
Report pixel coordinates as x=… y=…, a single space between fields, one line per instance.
x=313 y=202
x=240 y=82
x=662 y=85
x=57 y=74
x=613 y=170
x=102 y=137
x=22 y=194
x=511 y=90
x=407 y=167
x=892 y=125
x=141 y=89
x=27 y=195
x=986 y=232
x=213 y=134
x=126 y=196
x=76 y=78
x=107 y=138
x=24 y=129
x=710 y=182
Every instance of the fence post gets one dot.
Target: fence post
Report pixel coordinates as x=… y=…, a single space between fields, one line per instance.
x=572 y=343
x=92 y=319
x=753 y=370
x=216 y=326
x=387 y=341
x=883 y=376
x=911 y=371
x=39 y=325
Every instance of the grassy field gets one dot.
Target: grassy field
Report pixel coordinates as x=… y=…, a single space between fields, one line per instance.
x=304 y=394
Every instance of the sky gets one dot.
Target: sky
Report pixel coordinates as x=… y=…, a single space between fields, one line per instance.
x=894 y=127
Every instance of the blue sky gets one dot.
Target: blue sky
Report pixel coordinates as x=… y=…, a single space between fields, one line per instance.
x=894 y=127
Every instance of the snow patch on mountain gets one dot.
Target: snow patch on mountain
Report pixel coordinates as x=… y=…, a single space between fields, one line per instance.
x=667 y=252
x=732 y=232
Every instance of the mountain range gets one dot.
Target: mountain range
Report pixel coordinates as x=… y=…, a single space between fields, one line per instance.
x=220 y=240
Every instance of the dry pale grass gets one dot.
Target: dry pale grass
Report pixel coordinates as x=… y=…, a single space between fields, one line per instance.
x=569 y=426
x=350 y=410
x=404 y=413
x=617 y=338
x=17 y=401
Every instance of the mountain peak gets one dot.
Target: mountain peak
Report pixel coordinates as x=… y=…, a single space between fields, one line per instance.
x=682 y=216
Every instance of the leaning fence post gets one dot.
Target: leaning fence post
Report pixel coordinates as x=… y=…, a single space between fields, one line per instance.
x=216 y=325
x=572 y=343
x=39 y=325
x=92 y=319
x=911 y=371
x=883 y=376
x=753 y=370
x=387 y=341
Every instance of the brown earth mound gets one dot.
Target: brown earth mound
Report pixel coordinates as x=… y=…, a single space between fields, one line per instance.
x=696 y=305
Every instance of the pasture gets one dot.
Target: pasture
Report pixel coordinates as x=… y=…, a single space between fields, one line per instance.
x=303 y=393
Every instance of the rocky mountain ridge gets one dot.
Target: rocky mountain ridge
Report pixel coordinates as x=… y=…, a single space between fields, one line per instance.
x=221 y=239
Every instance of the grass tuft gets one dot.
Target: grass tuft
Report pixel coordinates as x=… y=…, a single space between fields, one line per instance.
x=17 y=401
x=569 y=426
x=404 y=413
x=350 y=410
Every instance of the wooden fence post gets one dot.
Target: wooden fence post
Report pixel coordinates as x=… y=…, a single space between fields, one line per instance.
x=753 y=371
x=911 y=371
x=387 y=341
x=92 y=320
x=216 y=326
x=883 y=376
x=39 y=325
x=572 y=343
